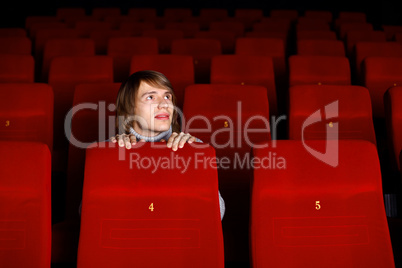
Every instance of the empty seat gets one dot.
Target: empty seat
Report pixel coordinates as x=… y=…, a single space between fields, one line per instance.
x=141 y=14
x=43 y=35
x=65 y=47
x=30 y=20
x=26 y=112
x=15 y=45
x=319 y=70
x=122 y=48
x=202 y=51
x=300 y=210
x=347 y=111
x=393 y=118
x=189 y=28
x=230 y=26
x=352 y=16
x=304 y=23
x=226 y=38
x=45 y=25
x=16 y=68
x=115 y=21
x=72 y=21
x=248 y=15
x=92 y=120
x=391 y=30
x=13 y=32
x=101 y=38
x=352 y=37
x=177 y=14
x=291 y=14
x=364 y=50
x=65 y=73
x=25 y=192
x=64 y=12
x=165 y=38
x=102 y=12
x=222 y=116
x=345 y=27
x=214 y=13
x=137 y=28
x=130 y=219
x=179 y=69
x=246 y=70
x=319 y=14
x=315 y=35
x=381 y=73
x=84 y=28
x=273 y=24
x=321 y=47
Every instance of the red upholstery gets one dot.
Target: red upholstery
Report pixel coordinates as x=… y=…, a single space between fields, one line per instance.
x=178 y=14
x=229 y=26
x=25 y=213
x=202 y=51
x=122 y=48
x=246 y=70
x=349 y=118
x=16 y=68
x=44 y=35
x=179 y=69
x=130 y=217
x=30 y=20
x=319 y=14
x=375 y=49
x=272 y=47
x=316 y=35
x=391 y=30
x=26 y=113
x=142 y=13
x=272 y=24
x=65 y=47
x=393 y=118
x=73 y=20
x=321 y=48
x=189 y=28
x=215 y=13
x=381 y=73
x=306 y=213
x=64 y=12
x=13 y=32
x=102 y=12
x=85 y=27
x=313 y=70
x=92 y=121
x=226 y=38
x=165 y=38
x=101 y=38
x=137 y=28
x=115 y=21
x=291 y=14
x=352 y=16
x=352 y=37
x=35 y=27
x=345 y=27
x=304 y=23
x=65 y=73
x=221 y=115
x=15 y=45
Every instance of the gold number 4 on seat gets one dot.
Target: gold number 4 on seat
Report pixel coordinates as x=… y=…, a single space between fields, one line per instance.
x=151 y=207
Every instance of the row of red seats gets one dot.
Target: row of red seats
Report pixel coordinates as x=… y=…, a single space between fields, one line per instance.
x=132 y=217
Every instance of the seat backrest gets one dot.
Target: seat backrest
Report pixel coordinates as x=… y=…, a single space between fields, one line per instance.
x=25 y=210
x=347 y=111
x=15 y=45
x=321 y=48
x=126 y=206
x=301 y=212
x=26 y=112
x=16 y=68
x=315 y=35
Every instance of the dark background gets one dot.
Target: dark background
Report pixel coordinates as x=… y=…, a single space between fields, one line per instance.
x=13 y=13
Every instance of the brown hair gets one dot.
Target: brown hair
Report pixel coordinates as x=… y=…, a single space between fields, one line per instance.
x=127 y=94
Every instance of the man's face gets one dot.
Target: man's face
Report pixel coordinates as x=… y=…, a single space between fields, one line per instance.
x=153 y=110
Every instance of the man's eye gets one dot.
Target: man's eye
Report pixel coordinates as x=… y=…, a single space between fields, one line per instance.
x=150 y=97
x=168 y=97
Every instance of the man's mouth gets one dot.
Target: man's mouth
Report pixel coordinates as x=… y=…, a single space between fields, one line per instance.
x=163 y=116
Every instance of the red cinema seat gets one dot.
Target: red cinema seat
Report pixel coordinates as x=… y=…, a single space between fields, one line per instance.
x=291 y=14
x=136 y=28
x=101 y=38
x=352 y=37
x=304 y=23
x=398 y=38
x=393 y=119
x=84 y=28
x=93 y=120
x=130 y=217
x=374 y=49
x=16 y=68
x=31 y=20
x=315 y=35
x=13 y=32
x=226 y=38
x=65 y=73
x=271 y=47
x=115 y=21
x=352 y=16
x=142 y=14
x=347 y=113
x=202 y=51
x=64 y=12
x=319 y=70
x=345 y=27
x=189 y=29
x=225 y=116
x=273 y=24
x=65 y=47
x=248 y=16
x=179 y=69
x=123 y=48
x=246 y=70
x=301 y=212
x=25 y=213
x=391 y=31
x=319 y=14
x=15 y=45
x=269 y=34
x=35 y=27
x=84 y=21
x=26 y=112
x=321 y=48
x=381 y=73
x=165 y=38
x=102 y=12
x=43 y=35
x=177 y=14
x=236 y=27
x=214 y=13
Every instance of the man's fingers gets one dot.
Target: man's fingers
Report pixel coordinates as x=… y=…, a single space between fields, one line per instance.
x=184 y=139
x=176 y=141
x=133 y=139
x=171 y=139
x=192 y=139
